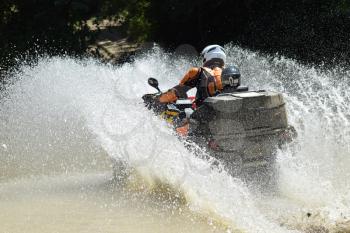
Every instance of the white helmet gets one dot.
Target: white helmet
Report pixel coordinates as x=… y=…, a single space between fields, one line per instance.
x=215 y=52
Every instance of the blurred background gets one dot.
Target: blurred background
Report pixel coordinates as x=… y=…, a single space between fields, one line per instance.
x=311 y=31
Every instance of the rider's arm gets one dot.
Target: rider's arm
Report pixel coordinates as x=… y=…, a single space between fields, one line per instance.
x=187 y=82
x=168 y=97
x=191 y=77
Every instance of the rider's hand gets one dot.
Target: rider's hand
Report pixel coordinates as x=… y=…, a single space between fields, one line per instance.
x=149 y=99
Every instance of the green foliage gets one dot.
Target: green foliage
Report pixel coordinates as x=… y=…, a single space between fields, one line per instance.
x=139 y=26
x=342 y=6
x=44 y=25
x=312 y=30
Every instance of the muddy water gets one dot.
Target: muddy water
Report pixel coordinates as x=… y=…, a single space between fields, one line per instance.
x=63 y=120
x=91 y=203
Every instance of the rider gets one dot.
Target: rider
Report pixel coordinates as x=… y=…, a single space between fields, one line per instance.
x=207 y=78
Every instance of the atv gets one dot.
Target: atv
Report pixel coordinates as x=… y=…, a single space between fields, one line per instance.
x=243 y=129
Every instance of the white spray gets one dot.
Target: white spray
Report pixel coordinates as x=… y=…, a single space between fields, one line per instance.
x=62 y=99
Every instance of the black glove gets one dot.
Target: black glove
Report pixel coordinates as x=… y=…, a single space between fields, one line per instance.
x=152 y=102
x=149 y=100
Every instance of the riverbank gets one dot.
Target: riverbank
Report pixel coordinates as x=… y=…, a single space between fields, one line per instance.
x=112 y=43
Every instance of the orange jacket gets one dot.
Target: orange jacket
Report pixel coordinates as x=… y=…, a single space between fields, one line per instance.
x=191 y=80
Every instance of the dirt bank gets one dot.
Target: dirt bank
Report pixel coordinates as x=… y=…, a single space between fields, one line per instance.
x=112 y=43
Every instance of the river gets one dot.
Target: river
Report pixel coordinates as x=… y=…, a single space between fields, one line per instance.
x=65 y=121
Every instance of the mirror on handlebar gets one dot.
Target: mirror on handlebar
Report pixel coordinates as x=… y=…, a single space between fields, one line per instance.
x=154 y=83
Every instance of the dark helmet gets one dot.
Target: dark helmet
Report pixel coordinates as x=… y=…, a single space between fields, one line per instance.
x=231 y=77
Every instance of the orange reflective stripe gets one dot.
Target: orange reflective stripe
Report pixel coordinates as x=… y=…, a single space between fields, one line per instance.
x=168 y=97
x=217 y=75
x=190 y=75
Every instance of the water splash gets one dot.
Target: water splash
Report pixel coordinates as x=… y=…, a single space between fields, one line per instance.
x=68 y=106
x=315 y=170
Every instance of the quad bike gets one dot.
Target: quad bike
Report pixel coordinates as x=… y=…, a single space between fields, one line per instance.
x=241 y=128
